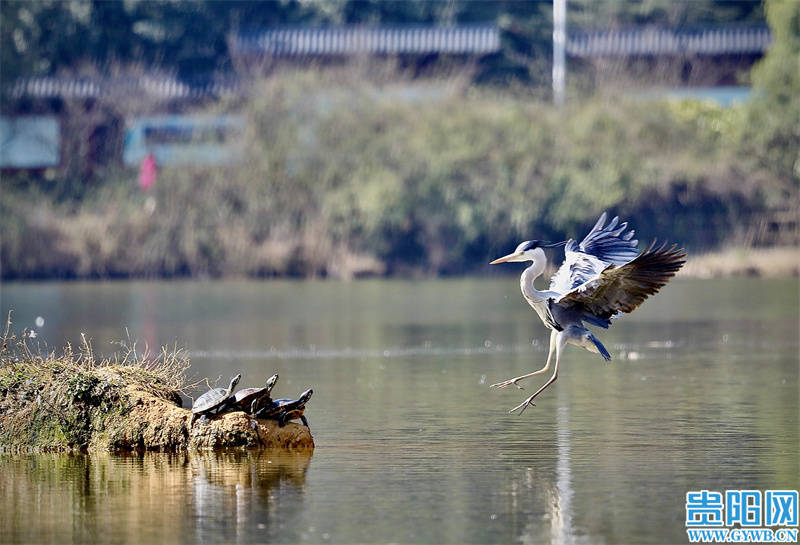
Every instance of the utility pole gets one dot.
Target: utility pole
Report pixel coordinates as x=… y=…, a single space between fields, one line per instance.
x=559 y=50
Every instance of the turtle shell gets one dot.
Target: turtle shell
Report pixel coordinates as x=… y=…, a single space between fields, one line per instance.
x=243 y=399
x=246 y=394
x=210 y=400
x=214 y=398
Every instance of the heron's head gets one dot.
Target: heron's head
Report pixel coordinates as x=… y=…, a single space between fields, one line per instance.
x=530 y=250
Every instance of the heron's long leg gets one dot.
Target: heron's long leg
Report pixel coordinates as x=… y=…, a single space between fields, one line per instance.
x=514 y=381
x=561 y=342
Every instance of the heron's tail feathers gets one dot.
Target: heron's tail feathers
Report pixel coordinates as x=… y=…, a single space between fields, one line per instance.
x=600 y=348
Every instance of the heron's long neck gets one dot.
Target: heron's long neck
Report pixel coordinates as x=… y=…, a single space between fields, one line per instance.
x=530 y=274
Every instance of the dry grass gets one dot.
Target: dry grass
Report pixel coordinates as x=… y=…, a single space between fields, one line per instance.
x=162 y=373
x=75 y=399
x=765 y=262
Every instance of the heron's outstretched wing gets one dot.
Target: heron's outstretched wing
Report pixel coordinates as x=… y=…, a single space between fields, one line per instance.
x=610 y=243
x=623 y=288
x=604 y=245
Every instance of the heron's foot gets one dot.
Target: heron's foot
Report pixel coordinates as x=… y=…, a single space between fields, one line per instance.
x=524 y=405
x=507 y=383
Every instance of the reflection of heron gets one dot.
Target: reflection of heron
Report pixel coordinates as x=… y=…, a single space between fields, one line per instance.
x=602 y=276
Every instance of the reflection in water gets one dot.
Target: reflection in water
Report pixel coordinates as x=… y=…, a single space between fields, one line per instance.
x=557 y=494
x=561 y=519
x=233 y=491
x=148 y=498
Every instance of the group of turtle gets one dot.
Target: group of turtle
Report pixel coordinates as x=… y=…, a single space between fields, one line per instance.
x=256 y=402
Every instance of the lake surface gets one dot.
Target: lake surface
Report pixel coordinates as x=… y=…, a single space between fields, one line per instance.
x=412 y=445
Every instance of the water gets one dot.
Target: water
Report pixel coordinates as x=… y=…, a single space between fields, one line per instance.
x=412 y=445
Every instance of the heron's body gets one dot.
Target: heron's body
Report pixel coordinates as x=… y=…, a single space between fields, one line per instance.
x=602 y=276
x=557 y=317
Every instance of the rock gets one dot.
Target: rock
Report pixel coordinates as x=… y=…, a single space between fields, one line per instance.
x=239 y=429
x=156 y=424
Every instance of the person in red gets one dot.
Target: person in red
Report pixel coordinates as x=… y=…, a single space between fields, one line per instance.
x=147 y=172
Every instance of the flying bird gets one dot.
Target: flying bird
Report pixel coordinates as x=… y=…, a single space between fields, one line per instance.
x=602 y=276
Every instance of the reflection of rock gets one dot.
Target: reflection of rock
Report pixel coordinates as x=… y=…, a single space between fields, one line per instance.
x=193 y=497
x=238 y=488
x=112 y=413
x=256 y=469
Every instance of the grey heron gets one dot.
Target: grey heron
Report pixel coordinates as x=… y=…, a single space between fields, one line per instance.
x=602 y=276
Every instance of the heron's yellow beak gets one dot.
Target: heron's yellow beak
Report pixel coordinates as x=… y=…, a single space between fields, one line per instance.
x=505 y=258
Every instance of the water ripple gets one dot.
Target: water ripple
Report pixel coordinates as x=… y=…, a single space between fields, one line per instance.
x=351 y=353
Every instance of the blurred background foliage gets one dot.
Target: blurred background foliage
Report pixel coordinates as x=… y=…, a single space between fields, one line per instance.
x=338 y=178
x=191 y=38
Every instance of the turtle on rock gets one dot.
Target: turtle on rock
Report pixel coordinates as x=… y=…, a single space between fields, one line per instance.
x=284 y=410
x=250 y=400
x=212 y=401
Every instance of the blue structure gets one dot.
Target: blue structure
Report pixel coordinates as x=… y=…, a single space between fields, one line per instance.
x=184 y=139
x=29 y=142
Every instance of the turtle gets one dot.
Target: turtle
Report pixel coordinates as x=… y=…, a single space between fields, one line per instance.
x=212 y=400
x=284 y=410
x=249 y=399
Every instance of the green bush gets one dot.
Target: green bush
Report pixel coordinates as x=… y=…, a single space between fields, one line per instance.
x=770 y=135
x=345 y=178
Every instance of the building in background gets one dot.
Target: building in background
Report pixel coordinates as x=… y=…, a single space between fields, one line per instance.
x=707 y=62
x=425 y=48
x=81 y=124
x=29 y=142
x=98 y=122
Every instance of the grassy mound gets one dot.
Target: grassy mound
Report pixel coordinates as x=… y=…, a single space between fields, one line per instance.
x=127 y=402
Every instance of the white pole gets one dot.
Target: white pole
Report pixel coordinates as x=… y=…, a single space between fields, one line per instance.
x=559 y=53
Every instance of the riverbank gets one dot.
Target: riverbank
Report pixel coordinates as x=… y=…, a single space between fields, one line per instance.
x=780 y=262
x=75 y=402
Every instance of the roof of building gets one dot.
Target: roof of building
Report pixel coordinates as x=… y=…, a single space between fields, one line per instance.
x=712 y=40
x=150 y=85
x=410 y=39
x=473 y=39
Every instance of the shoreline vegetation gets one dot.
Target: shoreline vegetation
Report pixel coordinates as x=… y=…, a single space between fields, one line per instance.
x=417 y=188
x=129 y=402
x=779 y=262
x=775 y=262
x=345 y=172
x=348 y=171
